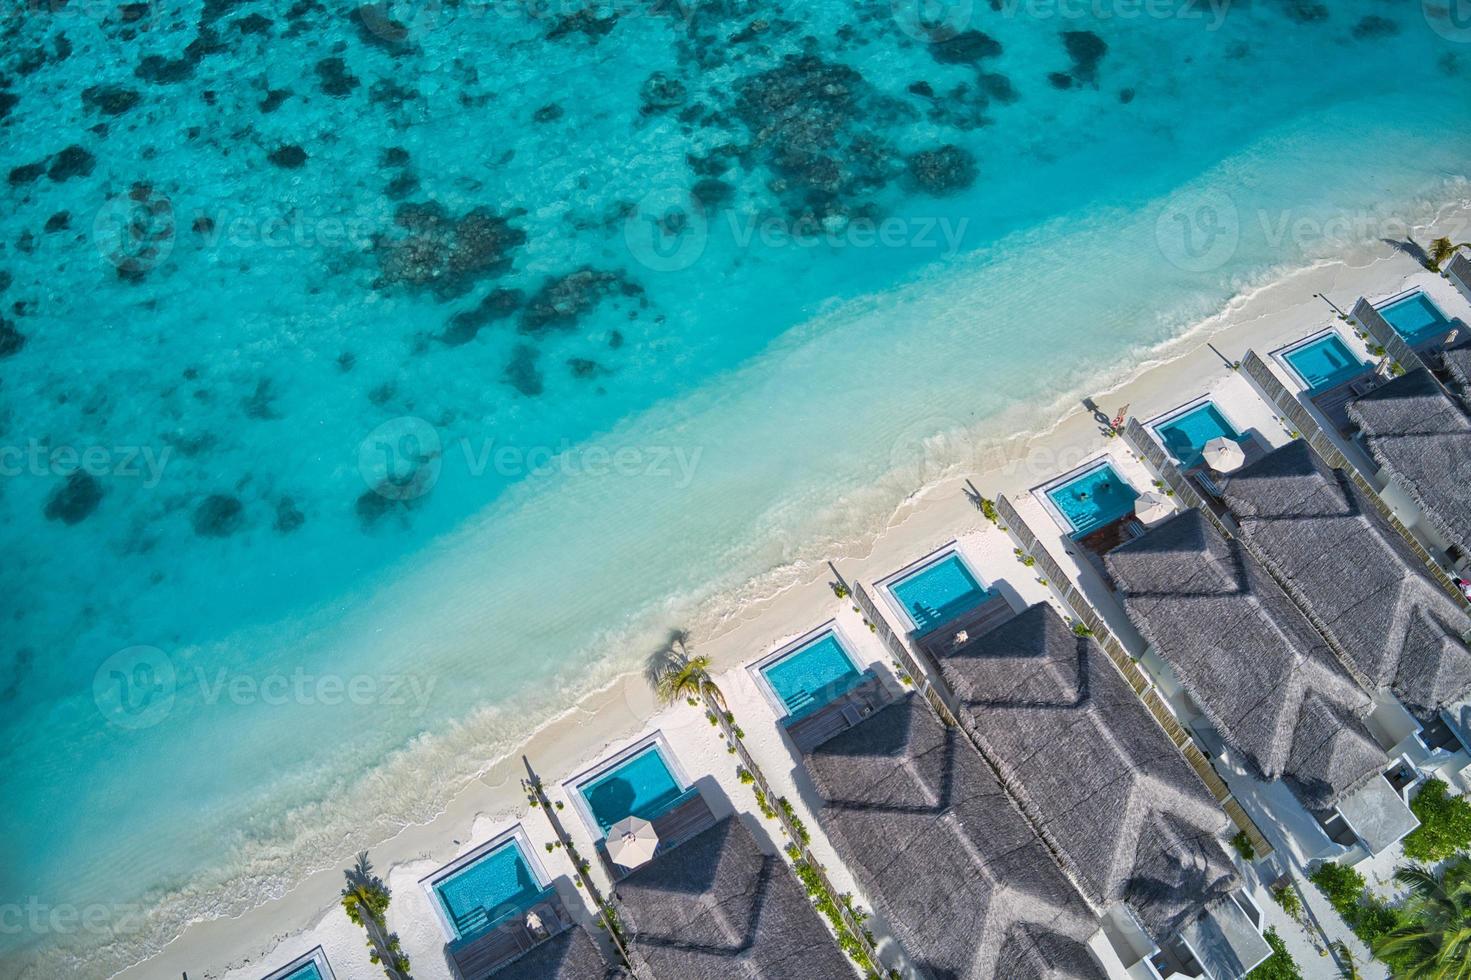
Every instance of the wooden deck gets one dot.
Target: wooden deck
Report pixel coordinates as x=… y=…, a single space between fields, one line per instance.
x=675 y=826
x=973 y=623
x=810 y=730
x=1333 y=403
x=480 y=956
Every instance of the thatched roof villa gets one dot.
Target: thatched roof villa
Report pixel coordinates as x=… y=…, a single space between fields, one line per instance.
x=1132 y=820
x=718 y=906
x=1260 y=674
x=1356 y=577
x=959 y=873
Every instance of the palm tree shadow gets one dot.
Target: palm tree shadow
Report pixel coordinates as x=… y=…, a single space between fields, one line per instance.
x=1411 y=248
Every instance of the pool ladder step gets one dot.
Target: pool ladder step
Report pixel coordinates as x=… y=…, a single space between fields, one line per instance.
x=800 y=700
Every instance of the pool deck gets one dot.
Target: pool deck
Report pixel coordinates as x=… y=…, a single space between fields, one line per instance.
x=975 y=622
x=812 y=729
x=480 y=956
x=674 y=826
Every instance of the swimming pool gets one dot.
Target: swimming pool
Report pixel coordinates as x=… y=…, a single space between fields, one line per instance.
x=639 y=786
x=939 y=592
x=1417 y=319
x=1093 y=499
x=1185 y=435
x=812 y=675
x=307 y=971
x=497 y=884
x=1324 y=363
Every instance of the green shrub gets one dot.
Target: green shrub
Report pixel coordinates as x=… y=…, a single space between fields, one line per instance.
x=1445 y=824
x=1369 y=918
x=1289 y=901
x=1280 y=965
x=1243 y=845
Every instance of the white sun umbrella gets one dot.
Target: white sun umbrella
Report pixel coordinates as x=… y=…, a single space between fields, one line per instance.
x=1223 y=455
x=1152 y=507
x=632 y=841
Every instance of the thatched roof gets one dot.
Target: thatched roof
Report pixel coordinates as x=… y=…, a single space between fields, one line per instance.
x=1422 y=437
x=1356 y=577
x=718 y=906
x=1249 y=659
x=968 y=886
x=570 y=955
x=1458 y=365
x=1093 y=768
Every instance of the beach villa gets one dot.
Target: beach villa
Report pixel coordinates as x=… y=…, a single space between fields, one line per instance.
x=311 y=965
x=1139 y=831
x=1267 y=692
x=497 y=904
x=964 y=881
x=1419 y=433
x=817 y=687
x=719 y=904
x=1394 y=625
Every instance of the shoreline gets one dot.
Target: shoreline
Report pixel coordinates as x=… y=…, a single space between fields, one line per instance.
x=738 y=626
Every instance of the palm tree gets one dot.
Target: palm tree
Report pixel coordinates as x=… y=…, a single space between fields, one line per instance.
x=365 y=900
x=1441 y=251
x=1347 y=968
x=675 y=674
x=1433 y=937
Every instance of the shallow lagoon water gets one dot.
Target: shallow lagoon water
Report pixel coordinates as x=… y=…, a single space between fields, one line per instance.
x=410 y=468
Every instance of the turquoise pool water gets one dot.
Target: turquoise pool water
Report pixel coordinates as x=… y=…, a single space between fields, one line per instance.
x=812 y=675
x=497 y=884
x=307 y=971
x=1185 y=437
x=1325 y=363
x=1094 y=499
x=642 y=786
x=938 y=593
x=1417 y=319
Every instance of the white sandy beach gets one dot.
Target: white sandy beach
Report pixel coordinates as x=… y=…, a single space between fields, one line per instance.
x=1010 y=455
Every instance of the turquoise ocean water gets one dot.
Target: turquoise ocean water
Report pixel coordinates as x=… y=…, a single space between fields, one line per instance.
x=373 y=380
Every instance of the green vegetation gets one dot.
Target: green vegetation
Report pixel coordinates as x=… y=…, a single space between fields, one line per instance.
x=1289 y=901
x=1243 y=845
x=1023 y=557
x=1445 y=823
x=675 y=674
x=1369 y=918
x=1432 y=934
x=829 y=905
x=1081 y=629
x=365 y=900
x=1441 y=250
x=744 y=775
x=1280 y=965
x=803 y=834
x=988 y=508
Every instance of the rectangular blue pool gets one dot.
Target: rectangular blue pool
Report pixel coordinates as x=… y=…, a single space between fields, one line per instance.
x=498 y=884
x=1093 y=499
x=639 y=786
x=1417 y=319
x=307 y=971
x=938 y=593
x=1185 y=436
x=812 y=675
x=1325 y=363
